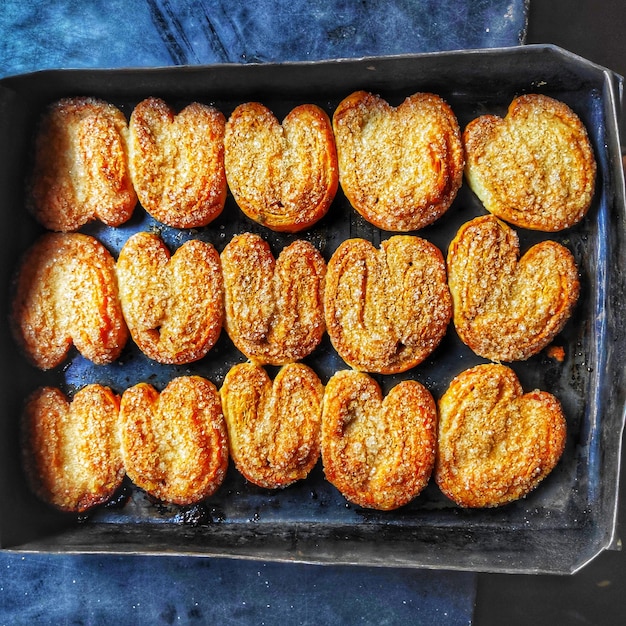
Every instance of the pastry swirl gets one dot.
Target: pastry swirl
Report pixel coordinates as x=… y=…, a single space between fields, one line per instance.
x=534 y=168
x=379 y=453
x=386 y=310
x=177 y=162
x=273 y=427
x=174 y=443
x=283 y=176
x=173 y=305
x=66 y=294
x=508 y=308
x=400 y=167
x=495 y=443
x=80 y=171
x=274 y=307
x=70 y=448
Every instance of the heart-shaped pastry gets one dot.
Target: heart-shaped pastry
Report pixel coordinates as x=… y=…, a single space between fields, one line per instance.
x=400 y=167
x=507 y=308
x=386 y=310
x=274 y=307
x=535 y=167
x=80 y=170
x=173 y=305
x=495 y=443
x=174 y=443
x=378 y=452
x=70 y=448
x=283 y=176
x=273 y=428
x=177 y=162
x=66 y=293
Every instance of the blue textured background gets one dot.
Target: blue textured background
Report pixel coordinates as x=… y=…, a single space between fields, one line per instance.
x=115 y=33
x=105 y=589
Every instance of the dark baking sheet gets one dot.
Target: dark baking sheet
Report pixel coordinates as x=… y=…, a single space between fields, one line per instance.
x=558 y=528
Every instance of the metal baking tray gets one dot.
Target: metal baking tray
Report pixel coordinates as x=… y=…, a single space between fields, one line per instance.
x=558 y=528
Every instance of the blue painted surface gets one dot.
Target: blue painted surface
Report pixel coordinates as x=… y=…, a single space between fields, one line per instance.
x=71 y=33
x=92 y=589
x=104 y=589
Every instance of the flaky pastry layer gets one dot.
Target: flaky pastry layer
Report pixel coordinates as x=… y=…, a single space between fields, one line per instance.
x=534 y=168
x=70 y=447
x=174 y=443
x=273 y=426
x=378 y=452
x=386 y=310
x=80 y=170
x=495 y=443
x=173 y=304
x=282 y=175
x=274 y=307
x=508 y=308
x=400 y=167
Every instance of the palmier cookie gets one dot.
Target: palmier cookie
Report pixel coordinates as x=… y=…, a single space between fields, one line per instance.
x=508 y=308
x=174 y=443
x=173 y=305
x=400 y=167
x=274 y=308
x=66 y=293
x=386 y=310
x=283 y=176
x=495 y=443
x=273 y=428
x=177 y=162
x=535 y=167
x=80 y=169
x=378 y=452
x=70 y=448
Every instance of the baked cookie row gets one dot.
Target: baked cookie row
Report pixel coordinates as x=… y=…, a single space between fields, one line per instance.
x=385 y=310
x=400 y=167
x=487 y=441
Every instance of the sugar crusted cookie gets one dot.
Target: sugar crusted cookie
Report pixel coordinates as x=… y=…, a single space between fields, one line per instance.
x=282 y=175
x=174 y=442
x=400 y=167
x=386 y=309
x=508 y=308
x=378 y=452
x=274 y=307
x=173 y=303
x=66 y=293
x=534 y=168
x=70 y=447
x=80 y=168
x=177 y=162
x=495 y=443
x=273 y=426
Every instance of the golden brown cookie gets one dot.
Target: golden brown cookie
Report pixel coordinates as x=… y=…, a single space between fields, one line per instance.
x=378 y=452
x=70 y=448
x=387 y=309
x=273 y=427
x=174 y=443
x=274 y=308
x=66 y=293
x=495 y=443
x=80 y=169
x=283 y=176
x=535 y=167
x=400 y=167
x=507 y=308
x=177 y=162
x=173 y=305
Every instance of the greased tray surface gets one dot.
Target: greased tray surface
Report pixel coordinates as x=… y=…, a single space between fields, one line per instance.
x=558 y=528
